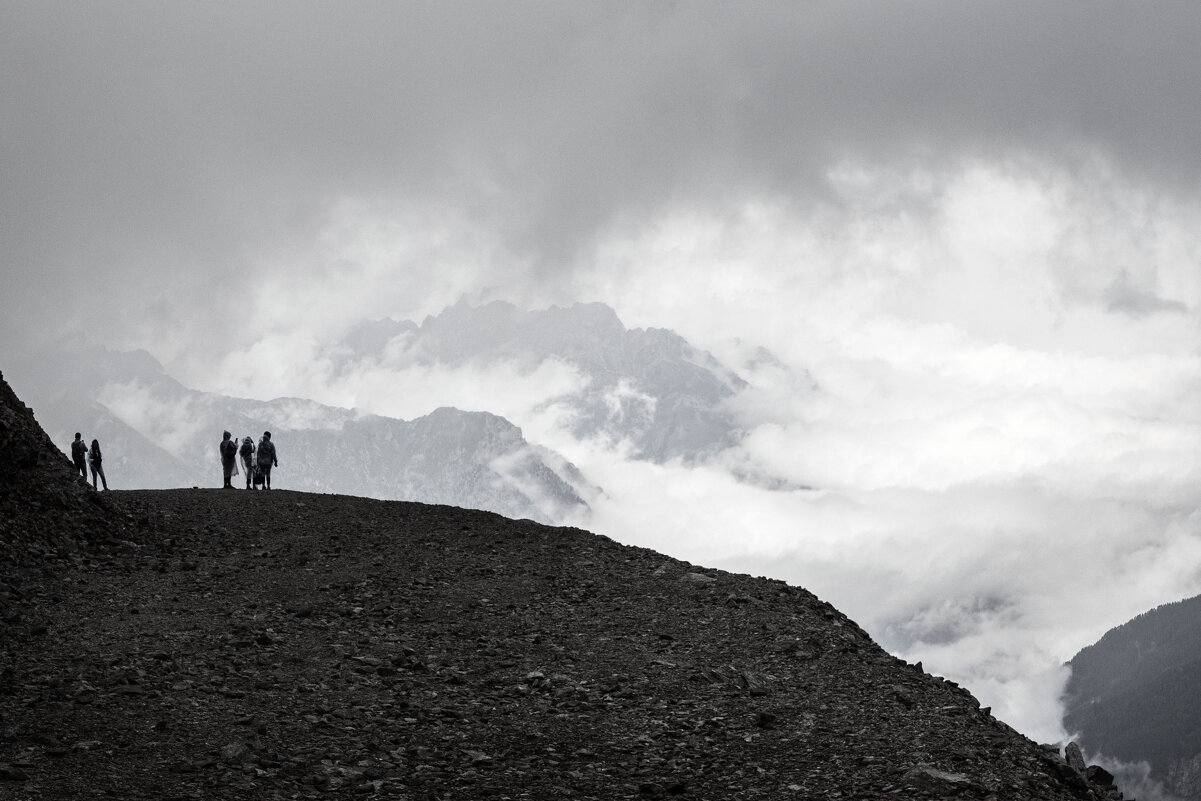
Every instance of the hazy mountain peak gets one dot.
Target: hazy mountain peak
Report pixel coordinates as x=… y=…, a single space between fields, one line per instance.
x=372 y=336
x=649 y=387
x=88 y=364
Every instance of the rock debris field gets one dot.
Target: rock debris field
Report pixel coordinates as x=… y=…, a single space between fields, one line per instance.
x=286 y=645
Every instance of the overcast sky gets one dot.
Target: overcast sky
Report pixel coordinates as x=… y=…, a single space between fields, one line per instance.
x=975 y=225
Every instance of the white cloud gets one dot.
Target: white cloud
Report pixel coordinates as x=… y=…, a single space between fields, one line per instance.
x=396 y=384
x=171 y=423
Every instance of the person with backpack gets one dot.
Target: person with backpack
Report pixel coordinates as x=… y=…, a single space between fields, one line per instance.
x=247 y=453
x=95 y=460
x=229 y=458
x=79 y=455
x=266 y=459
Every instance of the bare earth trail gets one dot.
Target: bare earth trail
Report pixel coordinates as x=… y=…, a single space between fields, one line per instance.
x=230 y=644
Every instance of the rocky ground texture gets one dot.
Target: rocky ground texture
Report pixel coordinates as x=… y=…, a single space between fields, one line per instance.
x=222 y=644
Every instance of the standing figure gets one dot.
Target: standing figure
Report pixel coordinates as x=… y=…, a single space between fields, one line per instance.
x=79 y=455
x=95 y=461
x=247 y=452
x=267 y=458
x=229 y=458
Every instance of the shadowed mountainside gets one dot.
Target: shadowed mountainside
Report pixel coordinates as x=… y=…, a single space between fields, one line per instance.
x=1135 y=695
x=213 y=644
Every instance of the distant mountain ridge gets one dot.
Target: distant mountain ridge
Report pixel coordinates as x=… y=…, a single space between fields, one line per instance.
x=647 y=391
x=158 y=434
x=649 y=387
x=1135 y=695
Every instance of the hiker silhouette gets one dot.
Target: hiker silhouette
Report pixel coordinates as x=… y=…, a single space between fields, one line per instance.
x=267 y=459
x=229 y=458
x=79 y=454
x=248 y=466
x=95 y=461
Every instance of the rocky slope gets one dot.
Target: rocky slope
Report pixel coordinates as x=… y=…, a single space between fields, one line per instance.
x=187 y=644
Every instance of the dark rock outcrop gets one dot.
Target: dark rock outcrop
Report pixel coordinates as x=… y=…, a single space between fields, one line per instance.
x=45 y=507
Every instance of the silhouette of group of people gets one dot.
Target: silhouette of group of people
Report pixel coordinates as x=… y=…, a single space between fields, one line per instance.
x=256 y=461
x=85 y=457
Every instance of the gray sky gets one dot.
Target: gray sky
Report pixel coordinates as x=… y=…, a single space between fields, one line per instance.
x=181 y=153
x=976 y=226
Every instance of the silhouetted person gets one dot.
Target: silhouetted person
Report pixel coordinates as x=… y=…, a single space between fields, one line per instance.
x=229 y=458
x=95 y=461
x=79 y=455
x=247 y=452
x=267 y=458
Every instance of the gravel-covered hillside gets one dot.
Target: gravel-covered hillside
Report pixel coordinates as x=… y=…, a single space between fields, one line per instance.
x=200 y=644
